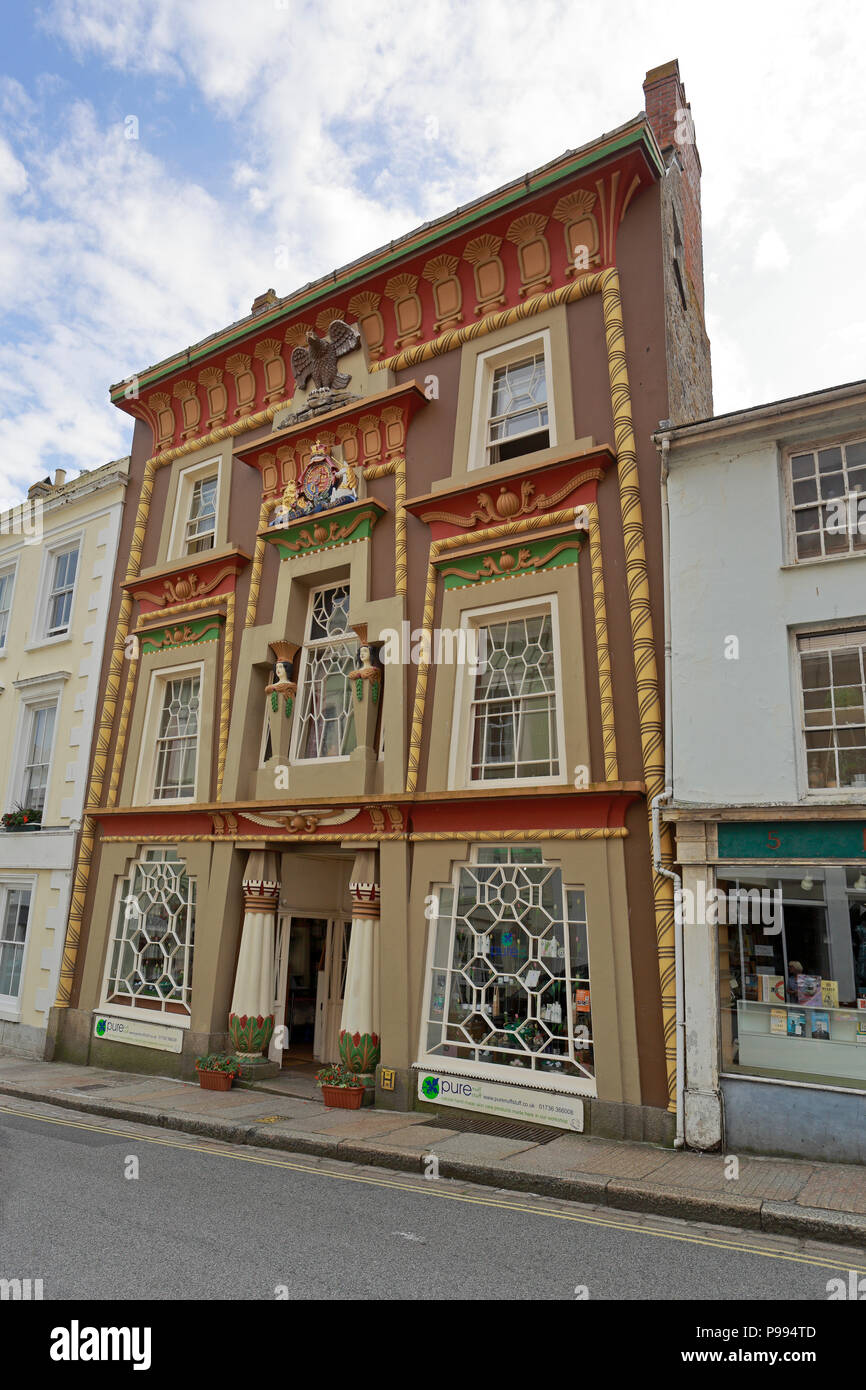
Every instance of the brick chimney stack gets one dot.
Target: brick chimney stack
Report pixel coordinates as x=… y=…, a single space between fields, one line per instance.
x=670 y=117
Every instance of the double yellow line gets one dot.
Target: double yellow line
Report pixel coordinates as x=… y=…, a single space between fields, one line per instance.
x=438 y=1189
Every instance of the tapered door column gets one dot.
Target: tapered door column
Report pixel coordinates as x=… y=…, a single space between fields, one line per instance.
x=359 y=1029
x=251 y=1021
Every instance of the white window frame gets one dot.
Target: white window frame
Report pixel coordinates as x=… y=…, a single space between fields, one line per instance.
x=34 y=709
x=485 y=368
x=9 y=570
x=497 y=1071
x=460 y=756
x=60 y=546
x=10 y=1004
x=187 y=479
x=146 y=775
x=167 y=1017
x=813 y=447
x=296 y=760
x=826 y=633
x=34 y=694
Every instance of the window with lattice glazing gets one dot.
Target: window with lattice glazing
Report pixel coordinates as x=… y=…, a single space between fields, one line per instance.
x=326 y=727
x=177 y=739
x=513 y=710
x=151 y=949
x=508 y=991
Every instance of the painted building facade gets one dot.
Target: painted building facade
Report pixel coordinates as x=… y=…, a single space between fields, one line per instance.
x=768 y=771
x=383 y=713
x=58 y=551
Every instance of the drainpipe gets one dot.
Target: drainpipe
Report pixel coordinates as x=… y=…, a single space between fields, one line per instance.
x=679 y=1141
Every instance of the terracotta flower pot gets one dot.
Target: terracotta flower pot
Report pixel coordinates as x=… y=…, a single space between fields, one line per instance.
x=343 y=1097
x=215 y=1080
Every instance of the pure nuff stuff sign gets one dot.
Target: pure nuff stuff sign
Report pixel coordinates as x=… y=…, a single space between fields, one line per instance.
x=131 y=1030
x=491 y=1098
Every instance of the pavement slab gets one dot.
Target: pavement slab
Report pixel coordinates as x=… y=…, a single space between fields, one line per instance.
x=421 y=1138
x=479 y=1146
x=775 y=1181
x=838 y=1187
x=572 y=1153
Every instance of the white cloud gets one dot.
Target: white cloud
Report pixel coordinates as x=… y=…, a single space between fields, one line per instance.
x=771 y=253
x=112 y=258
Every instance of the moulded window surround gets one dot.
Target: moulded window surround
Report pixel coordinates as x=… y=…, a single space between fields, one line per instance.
x=825 y=488
x=7 y=592
x=171 y=743
x=831 y=678
x=325 y=722
x=16 y=907
x=35 y=736
x=508 y=726
x=149 y=961
x=513 y=413
x=57 y=590
x=196 y=509
x=39 y=743
x=507 y=979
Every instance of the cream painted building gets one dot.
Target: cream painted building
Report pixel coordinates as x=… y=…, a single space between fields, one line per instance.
x=57 y=556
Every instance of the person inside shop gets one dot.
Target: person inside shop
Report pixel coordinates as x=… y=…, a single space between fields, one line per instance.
x=795 y=968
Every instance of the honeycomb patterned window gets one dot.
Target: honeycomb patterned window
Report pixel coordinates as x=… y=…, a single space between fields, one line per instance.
x=153 y=936
x=508 y=984
x=513 y=714
x=177 y=740
x=326 y=728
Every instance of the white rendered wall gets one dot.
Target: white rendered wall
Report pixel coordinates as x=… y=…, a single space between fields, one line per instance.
x=736 y=736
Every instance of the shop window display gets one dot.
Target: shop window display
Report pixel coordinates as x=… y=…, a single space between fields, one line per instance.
x=508 y=984
x=793 y=990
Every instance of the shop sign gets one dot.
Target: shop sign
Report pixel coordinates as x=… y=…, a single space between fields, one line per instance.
x=139 y=1034
x=786 y=840
x=492 y=1098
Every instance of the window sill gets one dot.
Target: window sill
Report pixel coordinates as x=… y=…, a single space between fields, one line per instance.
x=822 y=560
x=10 y=1013
x=48 y=642
x=834 y=796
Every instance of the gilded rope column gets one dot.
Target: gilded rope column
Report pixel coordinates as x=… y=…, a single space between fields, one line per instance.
x=225 y=699
x=123 y=724
x=645 y=665
x=397 y=467
x=258 y=561
x=605 y=681
x=400 y=525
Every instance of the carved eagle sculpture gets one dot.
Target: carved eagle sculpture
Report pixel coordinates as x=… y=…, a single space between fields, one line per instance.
x=319 y=358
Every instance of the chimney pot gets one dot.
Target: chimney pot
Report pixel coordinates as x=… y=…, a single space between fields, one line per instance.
x=59 y=477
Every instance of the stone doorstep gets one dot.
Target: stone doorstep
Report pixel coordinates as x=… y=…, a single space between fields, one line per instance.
x=521 y=1172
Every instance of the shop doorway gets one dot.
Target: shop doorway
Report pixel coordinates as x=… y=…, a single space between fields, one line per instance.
x=312 y=955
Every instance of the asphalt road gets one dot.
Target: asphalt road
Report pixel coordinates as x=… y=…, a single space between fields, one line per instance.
x=204 y=1220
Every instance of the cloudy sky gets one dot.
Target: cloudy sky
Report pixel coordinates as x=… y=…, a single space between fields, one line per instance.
x=273 y=140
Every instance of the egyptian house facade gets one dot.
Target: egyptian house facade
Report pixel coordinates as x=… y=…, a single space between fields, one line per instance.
x=382 y=715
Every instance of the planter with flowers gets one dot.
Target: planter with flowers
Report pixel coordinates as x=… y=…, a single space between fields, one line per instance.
x=217 y=1071
x=341 y=1089
x=22 y=818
